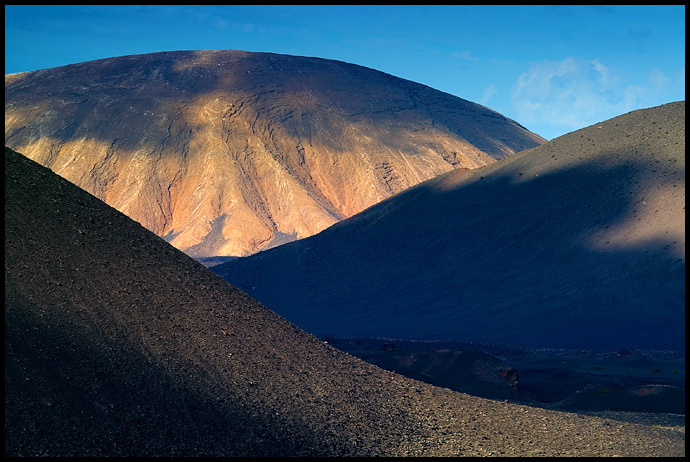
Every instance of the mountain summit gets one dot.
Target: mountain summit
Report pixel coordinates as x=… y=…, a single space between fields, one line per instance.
x=225 y=153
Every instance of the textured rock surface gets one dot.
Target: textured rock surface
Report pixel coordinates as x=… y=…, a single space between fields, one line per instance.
x=578 y=243
x=117 y=344
x=230 y=152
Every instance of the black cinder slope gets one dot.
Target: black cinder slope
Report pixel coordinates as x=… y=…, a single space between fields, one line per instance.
x=117 y=344
x=578 y=243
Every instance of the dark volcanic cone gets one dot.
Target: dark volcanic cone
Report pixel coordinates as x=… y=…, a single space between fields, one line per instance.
x=117 y=344
x=578 y=243
x=230 y=152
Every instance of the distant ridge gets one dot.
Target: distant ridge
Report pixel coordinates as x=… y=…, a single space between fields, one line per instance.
x=225 y=153
x=578 y=243
x=117 y=344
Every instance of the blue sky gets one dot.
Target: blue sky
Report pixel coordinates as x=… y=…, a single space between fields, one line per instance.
x=554 y=69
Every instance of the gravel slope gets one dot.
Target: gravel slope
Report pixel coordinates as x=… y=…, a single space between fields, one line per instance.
x=578 y=243
x=117 y=344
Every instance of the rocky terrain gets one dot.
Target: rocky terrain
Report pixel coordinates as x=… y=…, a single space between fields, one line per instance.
x=633 y=386
x=225 y=153
x=578 y=243
x=118 y=344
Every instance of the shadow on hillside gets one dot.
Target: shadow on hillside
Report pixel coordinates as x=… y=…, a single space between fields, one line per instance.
x=306 y=97
x=497 y=260
x=635 y=386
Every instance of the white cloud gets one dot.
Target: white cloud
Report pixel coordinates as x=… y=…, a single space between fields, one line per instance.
x=681 y=78
x=657 y=79
x=574 y=93
x=490 y=91
x=606 y=79
x=465 y=55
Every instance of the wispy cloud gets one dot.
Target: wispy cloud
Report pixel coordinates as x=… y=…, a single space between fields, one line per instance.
x=658 y=79
x=574 y=93
x=680 y=80
x=464 y=55
x=490 y=91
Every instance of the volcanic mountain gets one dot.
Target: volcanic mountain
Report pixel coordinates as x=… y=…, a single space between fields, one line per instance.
x=118 y=344
x=225 y=153
x=577 y=243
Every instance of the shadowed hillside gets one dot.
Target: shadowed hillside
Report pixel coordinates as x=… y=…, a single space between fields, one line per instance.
x=225 y=153
x=578 y=243
x=117 y=344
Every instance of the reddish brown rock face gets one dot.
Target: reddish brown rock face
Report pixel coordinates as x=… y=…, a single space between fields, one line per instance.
x=231 y=152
